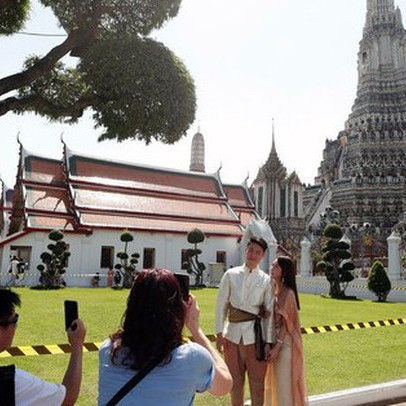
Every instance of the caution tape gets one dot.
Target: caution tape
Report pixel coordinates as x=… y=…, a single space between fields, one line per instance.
x=354 y=286
x=90 y=347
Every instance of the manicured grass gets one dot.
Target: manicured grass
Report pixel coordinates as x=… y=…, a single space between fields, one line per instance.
x=334 y=360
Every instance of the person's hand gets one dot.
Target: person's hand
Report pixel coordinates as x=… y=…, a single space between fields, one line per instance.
x=267 y=351
x=273 y=354
x=76 y=334
x=263 y=312
x=192 y=314
x=220 y=343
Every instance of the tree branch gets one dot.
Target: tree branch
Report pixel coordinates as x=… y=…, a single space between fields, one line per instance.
x=44 y=65
x=45 y=107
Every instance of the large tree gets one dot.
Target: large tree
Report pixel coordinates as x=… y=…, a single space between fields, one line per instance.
x=136 y=87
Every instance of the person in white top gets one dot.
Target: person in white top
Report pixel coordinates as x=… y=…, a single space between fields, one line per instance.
x=245 y=295
x=28 y=389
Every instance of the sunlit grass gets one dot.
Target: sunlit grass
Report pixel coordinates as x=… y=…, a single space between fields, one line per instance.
x=334 y=360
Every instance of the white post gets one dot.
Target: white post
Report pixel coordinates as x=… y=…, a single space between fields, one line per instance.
x=305 y=259
x=272 y=249
x=394 y=263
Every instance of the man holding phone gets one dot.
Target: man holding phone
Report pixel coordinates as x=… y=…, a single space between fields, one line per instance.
x=28 y=388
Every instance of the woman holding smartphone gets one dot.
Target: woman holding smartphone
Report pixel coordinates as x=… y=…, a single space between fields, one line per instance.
x=151 y=335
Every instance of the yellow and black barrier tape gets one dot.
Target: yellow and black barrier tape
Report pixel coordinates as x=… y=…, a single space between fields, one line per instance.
x=351 y=285
x=90 y=347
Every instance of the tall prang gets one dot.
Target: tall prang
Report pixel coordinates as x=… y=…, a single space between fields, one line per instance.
x=363 y=172
x=278 y=199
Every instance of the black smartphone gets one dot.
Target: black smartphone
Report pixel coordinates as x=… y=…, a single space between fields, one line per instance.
x=183 y=280
x=71 y=313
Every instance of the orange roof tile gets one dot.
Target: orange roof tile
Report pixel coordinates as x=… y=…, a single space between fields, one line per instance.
x=49 y=222
x=44 y=170
x=157 y=204
x=147 y=177
x=237 y=196
x=47 y=199
x=156 y=224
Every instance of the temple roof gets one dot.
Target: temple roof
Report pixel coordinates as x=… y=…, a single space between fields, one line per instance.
x=241 y=202
x=80 y=193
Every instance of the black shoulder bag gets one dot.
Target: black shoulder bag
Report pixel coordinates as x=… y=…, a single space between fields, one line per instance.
x=7 y=385
x=142 y=373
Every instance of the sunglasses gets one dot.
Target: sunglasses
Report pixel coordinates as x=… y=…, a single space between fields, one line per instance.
x=10 y=322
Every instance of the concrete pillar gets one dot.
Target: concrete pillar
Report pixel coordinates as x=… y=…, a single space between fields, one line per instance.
x=394 y=262
x=272 y=249
x=305 y=258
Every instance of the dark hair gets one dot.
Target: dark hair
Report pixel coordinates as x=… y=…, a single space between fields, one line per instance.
x=288 y=268
x=260 y=241
x=153 y=320
x=8 y=301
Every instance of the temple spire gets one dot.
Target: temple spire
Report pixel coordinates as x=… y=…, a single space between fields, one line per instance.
x=380 y=6
x=197 y=153
x=273 y=135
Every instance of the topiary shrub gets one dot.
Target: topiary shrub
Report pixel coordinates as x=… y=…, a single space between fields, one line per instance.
x=127 y=266
x=53 y=262
x=378 y=281
x=335 y=264
x=193 y=265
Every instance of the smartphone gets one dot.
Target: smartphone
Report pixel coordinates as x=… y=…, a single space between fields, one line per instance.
x=183 y=280
x=71 y=313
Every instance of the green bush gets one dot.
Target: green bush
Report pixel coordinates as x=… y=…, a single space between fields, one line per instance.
x=378 y=281
x=334 y=263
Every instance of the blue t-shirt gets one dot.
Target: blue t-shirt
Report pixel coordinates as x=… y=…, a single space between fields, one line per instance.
x=174 y=384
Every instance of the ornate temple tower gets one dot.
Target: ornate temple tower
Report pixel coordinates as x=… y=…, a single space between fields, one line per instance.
x=278 y=198
x=364 y=169
x=197 y=153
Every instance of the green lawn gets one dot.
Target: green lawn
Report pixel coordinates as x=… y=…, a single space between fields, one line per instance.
x=334 y=360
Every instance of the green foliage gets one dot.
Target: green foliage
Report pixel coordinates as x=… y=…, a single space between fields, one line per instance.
x=13 y=14
x=53 y=262
x=334 y=263
x=378 y=281
x=151 y=96
x=193 y=265
x=195 y=236
x=59 y=88
x=333 y=231
x=126 y=237
x=136 y=87
x=113 y=18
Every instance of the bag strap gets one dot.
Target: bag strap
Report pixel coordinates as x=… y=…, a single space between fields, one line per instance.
x=131 y=383
x=7 y=385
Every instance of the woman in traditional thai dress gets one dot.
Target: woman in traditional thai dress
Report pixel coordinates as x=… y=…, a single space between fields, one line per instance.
x=285 y=379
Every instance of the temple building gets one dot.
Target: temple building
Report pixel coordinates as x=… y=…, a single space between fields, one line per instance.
x=93 y=200
x=363 y=171
x=278 y=199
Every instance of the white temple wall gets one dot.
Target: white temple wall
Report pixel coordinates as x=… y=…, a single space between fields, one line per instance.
x=86 y=253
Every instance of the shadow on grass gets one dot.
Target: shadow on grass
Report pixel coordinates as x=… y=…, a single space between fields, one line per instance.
x=344 y=298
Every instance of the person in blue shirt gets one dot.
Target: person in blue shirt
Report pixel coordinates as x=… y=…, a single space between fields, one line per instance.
x=151 y=330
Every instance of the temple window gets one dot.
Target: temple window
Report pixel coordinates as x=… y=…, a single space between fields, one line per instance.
x=107 y=257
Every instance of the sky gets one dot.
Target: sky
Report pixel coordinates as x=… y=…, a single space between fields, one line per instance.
x=291 y=61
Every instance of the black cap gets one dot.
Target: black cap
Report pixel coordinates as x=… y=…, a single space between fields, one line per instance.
x=260 y=241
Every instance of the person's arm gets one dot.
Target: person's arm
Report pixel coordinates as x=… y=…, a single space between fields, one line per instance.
x=223 y=298
x=73 y=374
x=222 y=380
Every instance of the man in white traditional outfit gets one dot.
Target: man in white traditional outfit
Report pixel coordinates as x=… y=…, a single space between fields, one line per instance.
x=244 y=333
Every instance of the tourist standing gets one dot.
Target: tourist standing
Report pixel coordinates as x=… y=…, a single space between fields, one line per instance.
x=245 y=293
x=150 y=342
x=29 y=389
x=285 y=380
